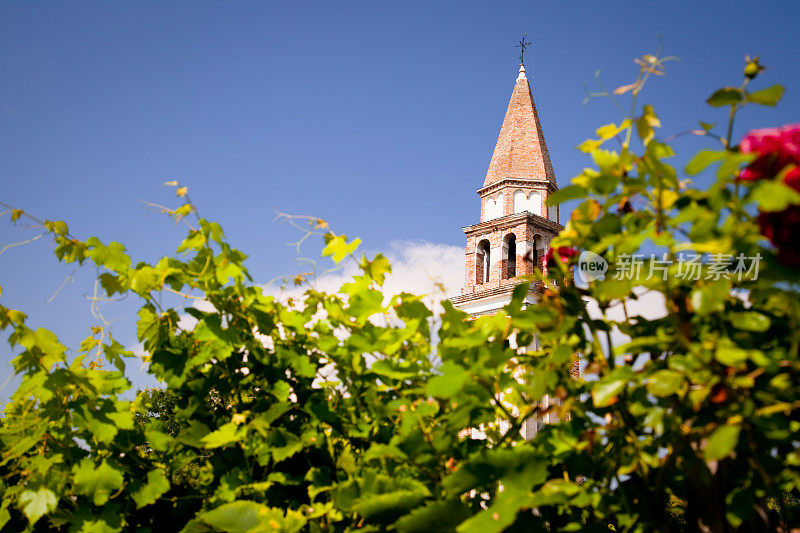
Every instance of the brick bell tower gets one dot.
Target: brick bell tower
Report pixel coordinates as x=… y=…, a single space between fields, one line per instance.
x=516 y=226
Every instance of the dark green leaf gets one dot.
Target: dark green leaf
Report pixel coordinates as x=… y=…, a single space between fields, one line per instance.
x=725 y=96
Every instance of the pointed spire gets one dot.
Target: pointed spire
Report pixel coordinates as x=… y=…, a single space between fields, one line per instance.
x=520 y=152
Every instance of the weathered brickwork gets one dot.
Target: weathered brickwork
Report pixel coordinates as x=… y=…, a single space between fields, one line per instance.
x=532 y=234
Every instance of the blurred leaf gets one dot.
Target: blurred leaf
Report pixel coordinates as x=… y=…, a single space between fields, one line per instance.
x=664 y=383
x=721 y=442
x=605 y=391
x=750 y=321
x=247 y=516
x=774 y=195
x=433 y=516
x=769 y=96
x=702 y=159
x=339 y=248
x=571 y=192
x=725 y=96
x=450 y=382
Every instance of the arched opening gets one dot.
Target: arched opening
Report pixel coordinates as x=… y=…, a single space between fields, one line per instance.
x=511 y=256
x=483 y=262
x=537 y=243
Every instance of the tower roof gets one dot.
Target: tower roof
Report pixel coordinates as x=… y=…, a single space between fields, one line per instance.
x=521 y=152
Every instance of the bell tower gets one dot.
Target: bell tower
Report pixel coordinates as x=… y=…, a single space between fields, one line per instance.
x=516 y=226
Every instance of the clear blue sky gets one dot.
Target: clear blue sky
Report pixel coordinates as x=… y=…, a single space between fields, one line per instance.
x=377 y=116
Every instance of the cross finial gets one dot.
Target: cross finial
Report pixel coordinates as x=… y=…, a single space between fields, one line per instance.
x=522 y=44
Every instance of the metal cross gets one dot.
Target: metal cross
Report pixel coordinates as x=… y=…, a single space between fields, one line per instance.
x=522 y=44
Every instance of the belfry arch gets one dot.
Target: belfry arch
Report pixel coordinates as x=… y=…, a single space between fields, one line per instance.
x=483 y=262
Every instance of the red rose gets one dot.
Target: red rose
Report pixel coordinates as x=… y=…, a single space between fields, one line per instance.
x=777 y=148
x=782 y=229
x=565 y=252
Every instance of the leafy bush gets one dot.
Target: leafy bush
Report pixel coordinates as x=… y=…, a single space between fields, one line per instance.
x=358 y=410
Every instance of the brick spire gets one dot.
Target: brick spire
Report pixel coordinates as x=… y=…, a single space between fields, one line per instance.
x=521 y=152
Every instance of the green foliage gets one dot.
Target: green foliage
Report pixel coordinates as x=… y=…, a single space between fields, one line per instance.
x=362 y=410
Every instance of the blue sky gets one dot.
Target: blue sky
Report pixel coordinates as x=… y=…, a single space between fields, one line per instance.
x=379 y=117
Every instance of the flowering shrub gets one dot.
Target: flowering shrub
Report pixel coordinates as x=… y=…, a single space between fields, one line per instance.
x=330 y=414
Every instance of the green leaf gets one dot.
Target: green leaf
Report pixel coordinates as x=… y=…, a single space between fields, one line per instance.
x=710 y=298
x=112 y=256
x=433 y=516
x=605 y=392
x=589 y=145
x=226 y=434
x=750 y=321
x=702 y=159
x=193 y=435
x=730 y=355
x=611 y=130
x=37 y=504
x=646 y=124
x=376 y=506
x=774 y=195
x=664 y=383
x=516 y=495
x=377 y=268
x=155 y=487
x=97 y=482
x=769 y=96
x=572 y=192
x=59 y=227
x=145 y=279
x=111 y=284
x=722 y=442
x=450 y=382
x=245 y=516
x=339 y=248
x=725 y=96
x=389 y=369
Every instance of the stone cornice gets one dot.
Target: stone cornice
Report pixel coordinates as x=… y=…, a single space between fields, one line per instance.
x=518 y=182
x=492 y=292
x=509 y=221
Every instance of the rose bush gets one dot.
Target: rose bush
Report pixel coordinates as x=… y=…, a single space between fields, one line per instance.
x=361 y=410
